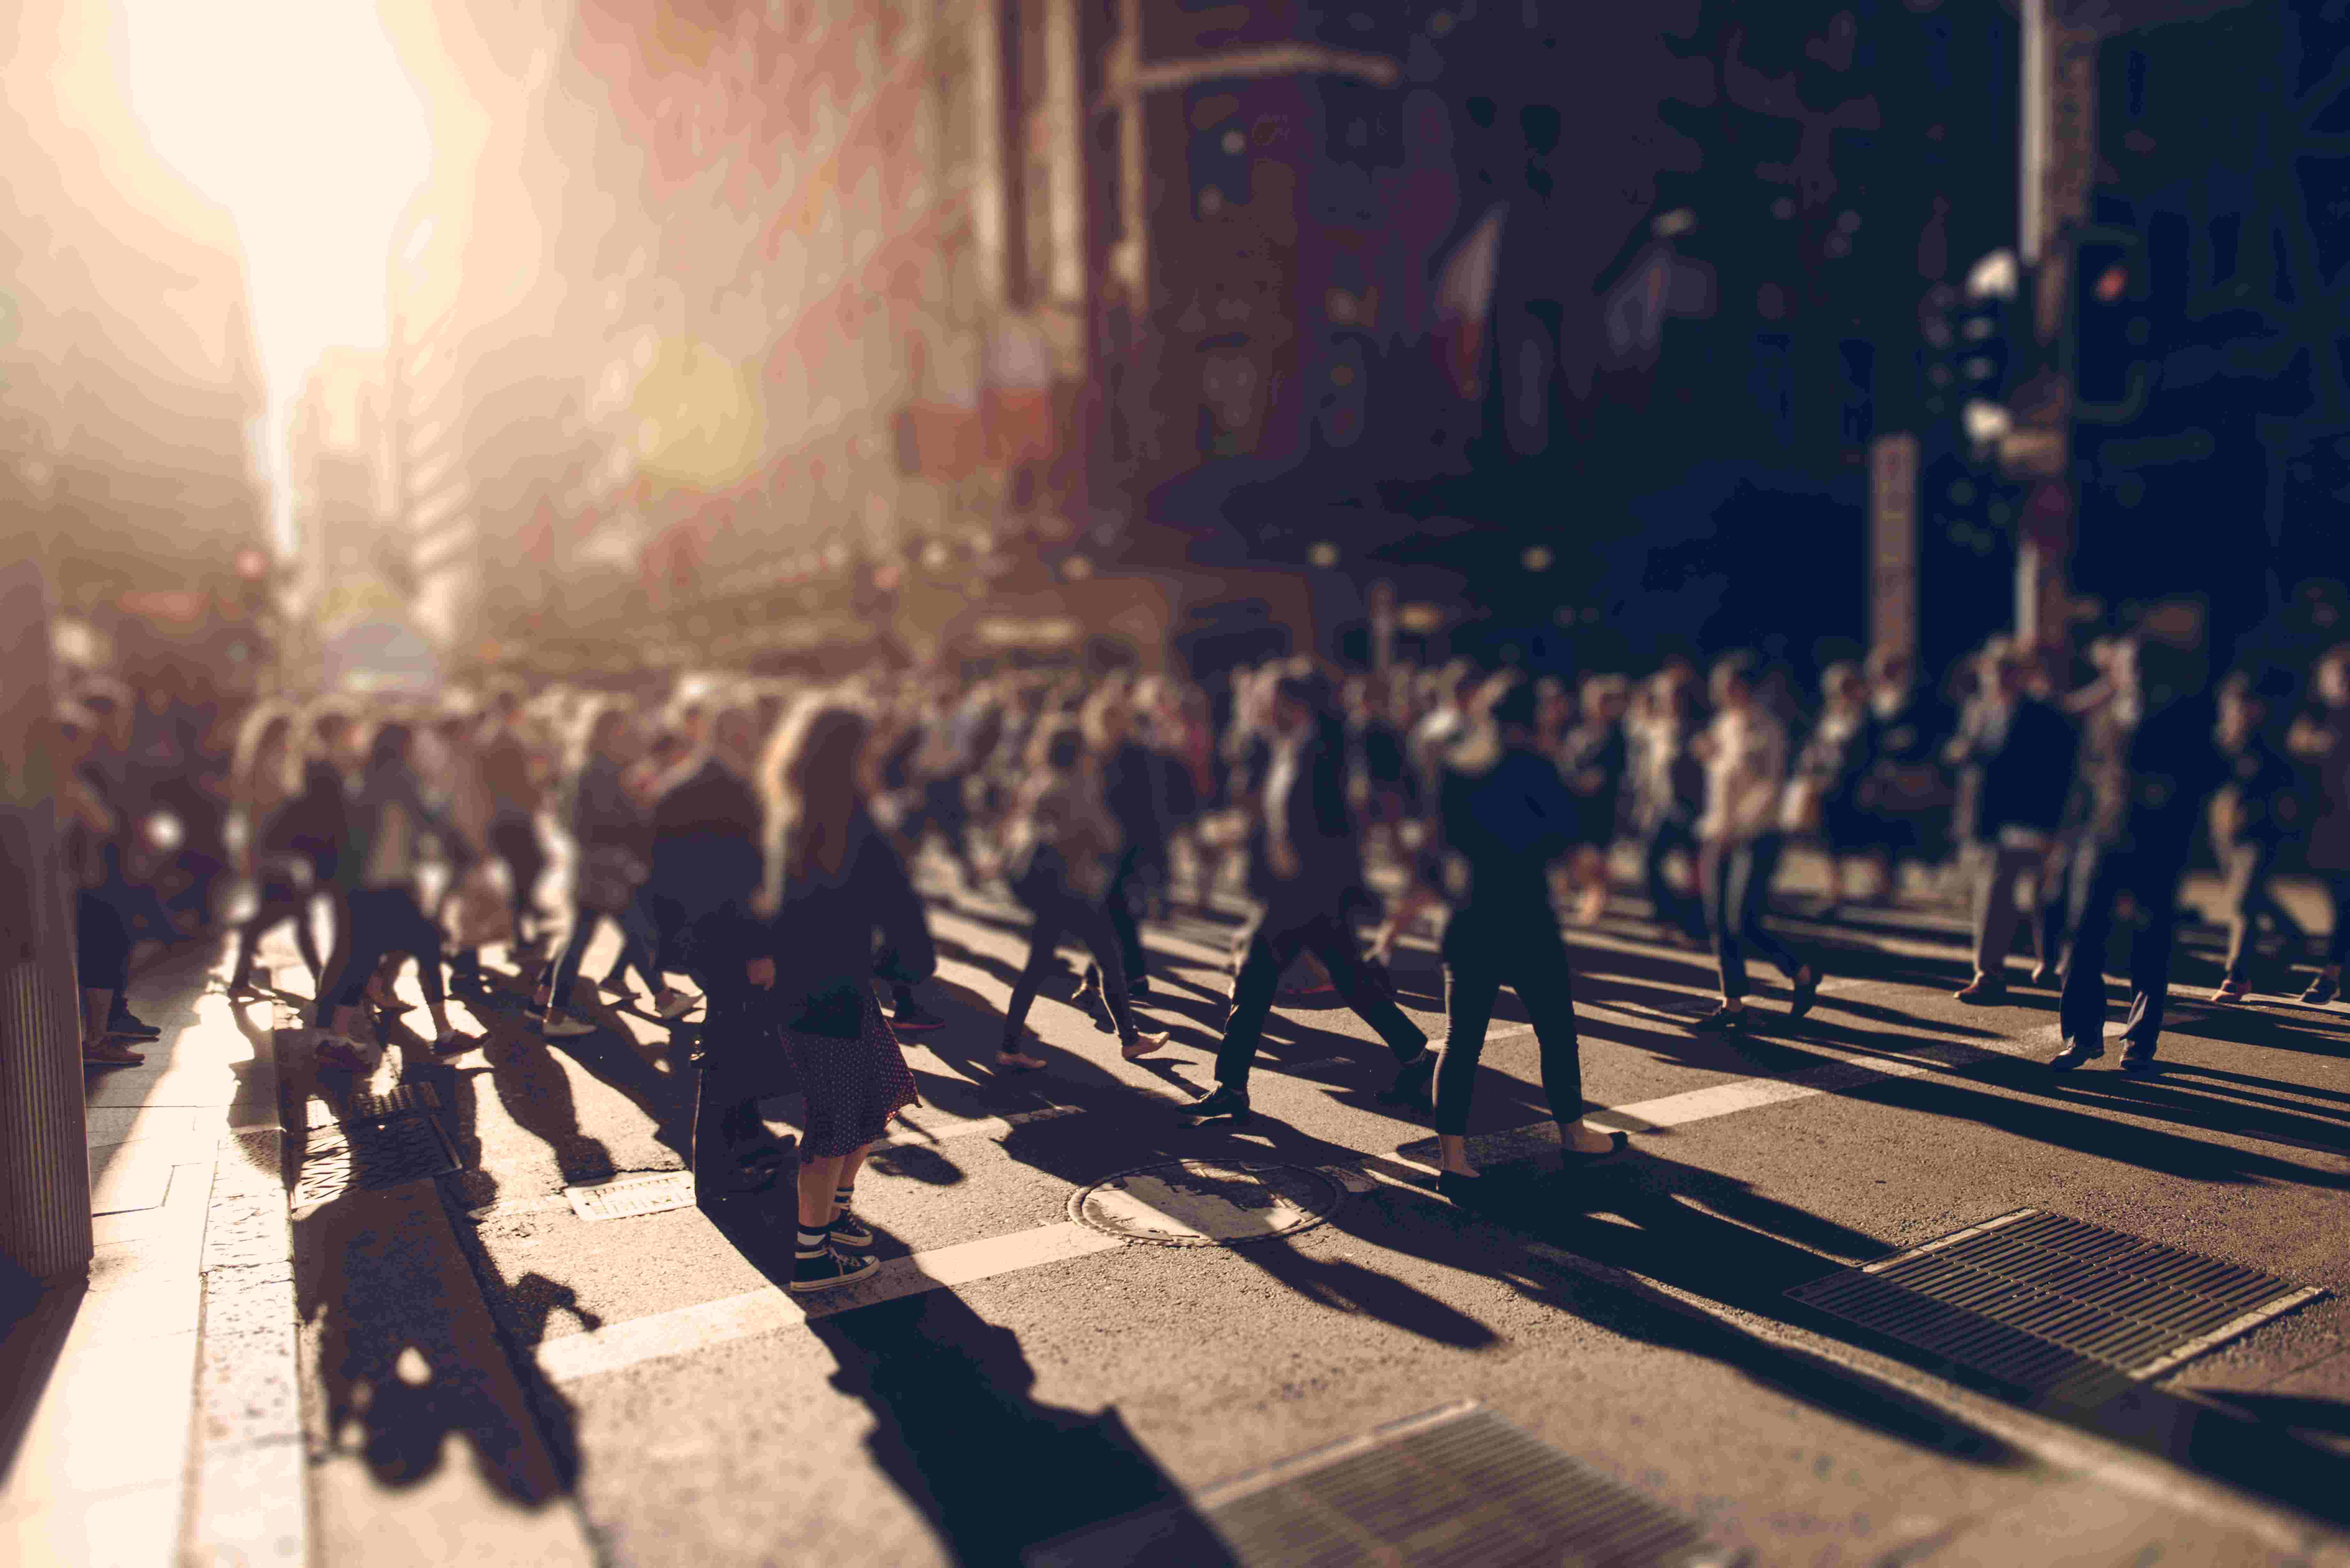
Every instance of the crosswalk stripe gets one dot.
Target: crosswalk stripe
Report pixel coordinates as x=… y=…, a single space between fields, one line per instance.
x=688 y=1329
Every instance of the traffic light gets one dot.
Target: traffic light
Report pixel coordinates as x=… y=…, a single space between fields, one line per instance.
x=2108 y=344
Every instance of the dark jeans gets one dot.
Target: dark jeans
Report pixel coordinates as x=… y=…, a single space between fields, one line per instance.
x=1482 y=952
x=513 y=838
x=2248 y=867
x=102 y=945
x=275 y=899
x=1060 y=914
x=2053 y=924
x=1124 y=889
x=1273 y=941
x=2102 y=876
x=637 y=939
x=380 y=922
x=1737 y=899
x=1671 y=907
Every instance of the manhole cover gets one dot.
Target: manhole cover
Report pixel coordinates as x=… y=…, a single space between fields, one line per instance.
x=2053 y=1306
x=1207 y=1203
x=627 y=1200
x=1455 y=1486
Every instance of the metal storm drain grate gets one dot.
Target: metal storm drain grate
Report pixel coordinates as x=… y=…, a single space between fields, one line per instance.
x=627 y=1200
x=376 y=1107
x=2055 y=1307
x=1459 y=1487
x=408 y=1147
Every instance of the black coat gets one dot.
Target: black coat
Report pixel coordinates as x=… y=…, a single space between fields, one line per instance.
x=2013 y=776
x=822 y=935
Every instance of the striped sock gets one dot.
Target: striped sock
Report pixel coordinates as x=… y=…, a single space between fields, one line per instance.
x=812 y=1243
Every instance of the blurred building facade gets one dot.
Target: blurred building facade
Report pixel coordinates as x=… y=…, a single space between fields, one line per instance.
x=132 y=392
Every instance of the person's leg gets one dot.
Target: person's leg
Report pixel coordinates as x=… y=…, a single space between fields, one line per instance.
x=1722 y=869
x=101 y=958
x=1982 y=863
x=1361 y=989
x=1097 y=930
x=2338 y=939
x=1753 y=905
x=2081 y=1008
x=2150 y=949
x=1270 y=950
x=423 y=944
x=565 y=978
x=1537 y=969
x=1044 y=946
x=1471 y=982
x=245 y=940
x=1124 y=889
x=1998 y=914
x=2240 y=899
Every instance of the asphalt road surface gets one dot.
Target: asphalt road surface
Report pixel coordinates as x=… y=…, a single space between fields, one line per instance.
x=1011 y=1377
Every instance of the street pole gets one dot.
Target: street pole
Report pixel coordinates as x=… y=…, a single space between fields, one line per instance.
x=2059 y=158
x=45 y=1223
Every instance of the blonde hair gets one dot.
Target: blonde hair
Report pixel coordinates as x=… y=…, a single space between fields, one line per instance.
x=812 y=780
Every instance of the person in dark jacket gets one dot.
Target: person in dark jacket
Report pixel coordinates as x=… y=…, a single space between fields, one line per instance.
x=2014 y=759
x=1304 y=871
x=609 y=838
x=1502 y=817
x=1668 y=792
x=831 y=886
x=1063 y=851
x=2135 y=843
x=703 y=863
x=1133 y=787
x=2259 y=808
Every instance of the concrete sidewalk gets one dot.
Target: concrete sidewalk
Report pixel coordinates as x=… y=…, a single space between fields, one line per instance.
x=107 y=1435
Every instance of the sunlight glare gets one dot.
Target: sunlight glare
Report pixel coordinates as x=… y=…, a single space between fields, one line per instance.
x=297 y=118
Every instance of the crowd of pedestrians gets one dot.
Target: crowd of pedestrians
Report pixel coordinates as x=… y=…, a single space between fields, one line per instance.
x=756 y=838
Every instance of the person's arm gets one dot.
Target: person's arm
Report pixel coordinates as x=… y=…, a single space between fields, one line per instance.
x=904 y=924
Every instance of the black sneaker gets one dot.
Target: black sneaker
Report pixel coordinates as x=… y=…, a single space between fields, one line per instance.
x=2075 y=1053
x=1721 y=1020
x=913 y=1018
x=1806 y=992
x=827 y=1268
x=2137 y=1057
x=2321 y=991
x=132 y=1027
x=1219 y=1101
x=847 y=1230
x=1412 y=1079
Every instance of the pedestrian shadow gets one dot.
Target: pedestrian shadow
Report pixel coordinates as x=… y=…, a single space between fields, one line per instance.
x=958 y=1430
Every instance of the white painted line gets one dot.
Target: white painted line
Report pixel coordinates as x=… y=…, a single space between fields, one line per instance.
x=974 y=1127
x=689 y=1329
x=1952 y=1240
x=2227 y=1331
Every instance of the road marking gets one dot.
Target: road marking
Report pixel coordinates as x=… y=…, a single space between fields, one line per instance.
x=689 y=1329
x=973 y=1126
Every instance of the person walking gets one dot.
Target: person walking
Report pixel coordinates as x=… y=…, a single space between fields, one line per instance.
x=265 y=781
x=2322 y=741
x=1593 y=758
x=2013 y=756
x=832 y=886
x=611 y=861
x=1831 y=771
x=511 y=769
x=384 y=921
x=1745 y=751
x=1305 y=869
x=1502 y=817
x=1061 y=859
x=1668 y=795
x=2260 y=808
x=1133 y=790
x=2136 y=847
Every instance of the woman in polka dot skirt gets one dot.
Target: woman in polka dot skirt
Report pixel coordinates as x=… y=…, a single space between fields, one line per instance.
x=833 y=884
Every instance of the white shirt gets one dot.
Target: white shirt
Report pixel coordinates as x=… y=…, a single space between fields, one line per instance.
x=1745 y=771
